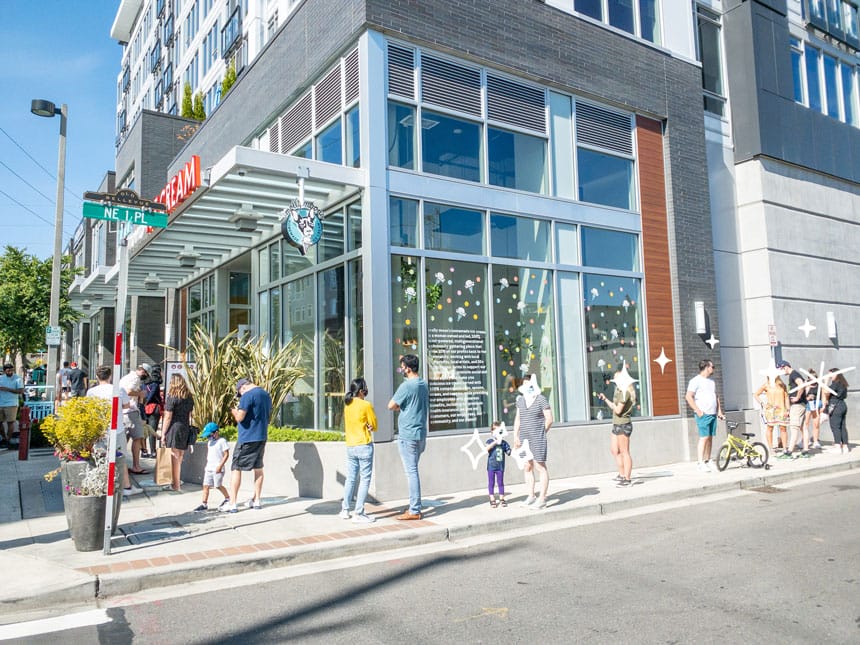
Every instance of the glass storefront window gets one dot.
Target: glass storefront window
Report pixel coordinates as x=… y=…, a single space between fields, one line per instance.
x=572 y=385
x=516 y=160
x=240 y=288
x=566 y=244
x=604 y=179
x=613 y=328
x=294 y=261
x=522 y=334
x=403 y=222
x=195 y=298
x=610 y=249
x=353 y=216
x=356 y=319
x=299 y=325
x=520 y=238
x=457 y=344
x=331 y=243
x=329 y=144
x=275 y=314
x=264 y=265
x=353 y=147
x=331 y=309
x=448 y=228
x=275 y=261
x=450 y=146
x=239 y=317
x=406 y=319
x=401 y=135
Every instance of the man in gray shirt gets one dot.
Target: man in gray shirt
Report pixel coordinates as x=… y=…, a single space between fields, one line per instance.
x=412 y=399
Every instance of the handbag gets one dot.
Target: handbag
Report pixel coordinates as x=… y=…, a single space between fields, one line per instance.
x=150 y=408
x=163 y=466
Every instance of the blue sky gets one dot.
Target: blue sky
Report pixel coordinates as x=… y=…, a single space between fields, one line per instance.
x=59 y=50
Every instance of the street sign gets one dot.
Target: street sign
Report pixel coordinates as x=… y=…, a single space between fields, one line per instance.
x=122 y=213
x=52 y=336
x=771 y=335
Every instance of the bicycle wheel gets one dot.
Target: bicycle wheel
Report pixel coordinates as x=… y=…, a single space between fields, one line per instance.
x=757 y=455
x=724 y=456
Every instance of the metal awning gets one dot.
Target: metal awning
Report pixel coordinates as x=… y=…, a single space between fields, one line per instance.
x=247 y=190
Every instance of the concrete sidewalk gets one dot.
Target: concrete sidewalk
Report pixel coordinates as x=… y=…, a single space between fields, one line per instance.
x=161 y=542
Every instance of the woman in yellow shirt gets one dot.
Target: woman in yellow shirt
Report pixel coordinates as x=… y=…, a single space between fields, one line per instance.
x=359 y=421
x=775 y=405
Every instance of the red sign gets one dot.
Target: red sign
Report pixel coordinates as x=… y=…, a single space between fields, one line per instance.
x=180 y=187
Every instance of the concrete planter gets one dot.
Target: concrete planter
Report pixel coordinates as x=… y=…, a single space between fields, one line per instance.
x=86 y=517
x=72 y=474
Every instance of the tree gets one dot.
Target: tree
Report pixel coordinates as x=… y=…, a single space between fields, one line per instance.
x=187 y=108
x=25 y=297
x=199 y=111
x=229 y=78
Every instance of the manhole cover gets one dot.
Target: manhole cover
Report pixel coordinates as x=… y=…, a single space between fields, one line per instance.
x=768 y=489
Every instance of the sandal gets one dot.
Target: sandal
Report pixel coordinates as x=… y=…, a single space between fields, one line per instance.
x=503 y=503
x=138 y=472
x=493 y=503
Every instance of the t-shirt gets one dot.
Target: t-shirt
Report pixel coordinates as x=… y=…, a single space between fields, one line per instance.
x=215 y=452
x=356 y=416
x=76 y=381
x=10 y=399
x=131 y=383
x=629 y=400
x=64 y=376
x=798 y=396
x=704 y=393
x=496 y=456
x=413 y=398
x=257 y=405
x=105 y=391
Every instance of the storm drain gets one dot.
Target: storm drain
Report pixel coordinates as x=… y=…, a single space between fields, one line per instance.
x=767 y=489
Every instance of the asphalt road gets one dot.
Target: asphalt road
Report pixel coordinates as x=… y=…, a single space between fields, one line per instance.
x=778 y=566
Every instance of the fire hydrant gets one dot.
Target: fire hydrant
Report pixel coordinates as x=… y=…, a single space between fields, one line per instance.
x=24 y=434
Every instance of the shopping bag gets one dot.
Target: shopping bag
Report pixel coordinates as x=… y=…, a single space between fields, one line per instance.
x=523 y=454
x=163 y=466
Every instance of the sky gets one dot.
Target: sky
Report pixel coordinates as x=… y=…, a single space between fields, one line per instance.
x=61 y=51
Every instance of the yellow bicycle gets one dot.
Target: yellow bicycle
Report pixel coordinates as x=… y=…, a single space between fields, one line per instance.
x=736 y=448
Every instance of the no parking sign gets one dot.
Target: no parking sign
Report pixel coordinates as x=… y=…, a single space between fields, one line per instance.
x=178 y=368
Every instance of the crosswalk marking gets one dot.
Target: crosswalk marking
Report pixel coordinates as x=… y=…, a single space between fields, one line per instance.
x=55 y=624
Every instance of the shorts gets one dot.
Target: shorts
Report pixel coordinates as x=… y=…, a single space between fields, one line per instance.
x=814 y=404
x=8 y=414
x=133 y=424
x=707 y=424
x=795 y=415
x=625 y=428
x=248 y=456
x=211 y=478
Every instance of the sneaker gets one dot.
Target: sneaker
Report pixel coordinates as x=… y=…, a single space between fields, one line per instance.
x=249 y=503
x=529 y=500
x=803 y=455
x=133 y=490
x=624 y=483
x=256 y=506
x=201 y=508
x=618 y=478
x=710 y=466
x=344 y=514
x=228 y=508
x=224 y=504
x=540 y=504
x=702 y=467
x=361 y=518
x=816 y=445
x=785 y=455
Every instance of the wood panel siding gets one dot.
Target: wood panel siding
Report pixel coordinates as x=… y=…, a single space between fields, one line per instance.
x=660 y=320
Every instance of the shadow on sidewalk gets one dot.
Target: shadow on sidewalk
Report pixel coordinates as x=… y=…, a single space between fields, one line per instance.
x=47 y=538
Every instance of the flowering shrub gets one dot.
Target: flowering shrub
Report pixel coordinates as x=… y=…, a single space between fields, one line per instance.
x=78 y=424
x=95 y=479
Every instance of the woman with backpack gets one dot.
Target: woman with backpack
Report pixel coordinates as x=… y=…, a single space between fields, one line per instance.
x=153 y=406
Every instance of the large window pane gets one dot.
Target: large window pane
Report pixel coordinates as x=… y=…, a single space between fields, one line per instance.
x=333 y=350
x=195 y=298
x=403 y=222
x=329 y=144
x=331 y=243
x=519 y=237
x=275 y=314
x=275 y=261
x=621 y=14
x=813 y=84
x=649 y=20
x=710 y=54
x=591 y=8
x=356 y=319
x=448 y=228
x=240 y=288
x=797 y=70
x=605 y=179
x=613 y=327
x=450 y=146
x=610 y=249
x=401 y=135
x=831 y=86
x=571 y=369
x=299 y=325
x=834 y=16
x=353 y=215
x=457 y=344
x=522 y=334
x=294 y=261
x=263 y=274
x=849 y=95
x=405 y=315
x=517 y=160
x=353 y=138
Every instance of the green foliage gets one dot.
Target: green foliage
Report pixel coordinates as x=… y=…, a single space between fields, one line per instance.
x=221 y=363
x=25 y=296
x=199 y=112
x=187 y=110
x=76 y=426
x=229 y=78
x=230 y=433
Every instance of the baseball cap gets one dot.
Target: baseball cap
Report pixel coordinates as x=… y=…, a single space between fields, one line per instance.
x=146 y=367
x=209 y=429
x=782 y=364
x=239 y=384
x=74 y=364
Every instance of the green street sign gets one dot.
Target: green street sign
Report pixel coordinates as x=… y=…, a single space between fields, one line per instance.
x=122 y=213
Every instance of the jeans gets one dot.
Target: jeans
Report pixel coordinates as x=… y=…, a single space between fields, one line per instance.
x=358 y=458
x=410 y=452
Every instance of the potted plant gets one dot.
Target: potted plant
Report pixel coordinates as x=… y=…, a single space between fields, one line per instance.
x=77 y=432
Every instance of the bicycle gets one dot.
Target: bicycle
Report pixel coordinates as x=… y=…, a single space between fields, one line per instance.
x=755 y=452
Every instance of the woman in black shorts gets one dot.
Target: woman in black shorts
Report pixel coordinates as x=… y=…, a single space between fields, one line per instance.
x=622 y=404
x=177 y=423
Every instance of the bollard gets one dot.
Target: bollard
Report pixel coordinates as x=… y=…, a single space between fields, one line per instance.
x=24 y=434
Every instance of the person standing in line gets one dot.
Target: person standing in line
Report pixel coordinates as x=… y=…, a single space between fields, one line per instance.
x=177 y=425
x=533 y=421
x=252 y=414
x=775 y=409
x=705 y=404
x=412 y=400
x=65 y=389
x=497 y=448
x=359 y=422
x=814 y=404
x=217 y=453
x=838 y=409
x=11 y=387
x=78 y=381
x=132 y=383
x=153 y=406
x=796 y=411
x=622 y=404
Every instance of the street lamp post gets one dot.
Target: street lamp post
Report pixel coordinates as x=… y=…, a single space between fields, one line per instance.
x=40 y=107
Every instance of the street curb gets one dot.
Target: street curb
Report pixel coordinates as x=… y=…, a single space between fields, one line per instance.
x=74 y=594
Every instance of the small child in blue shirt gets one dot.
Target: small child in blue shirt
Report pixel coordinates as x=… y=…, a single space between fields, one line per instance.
x=497 y=448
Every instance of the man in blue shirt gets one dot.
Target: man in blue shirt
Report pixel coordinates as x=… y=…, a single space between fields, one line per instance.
x=412 y=399
x=252 y=414
x=11 y=387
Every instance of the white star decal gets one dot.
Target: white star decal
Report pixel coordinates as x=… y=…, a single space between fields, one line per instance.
x=820 y=379
x=662 y=360
x=712 y=341
x=807 y=327
x=475 y=458
x=622 y=379
x=772 y=372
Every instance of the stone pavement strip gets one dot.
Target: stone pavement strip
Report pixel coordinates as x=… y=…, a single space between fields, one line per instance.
x=160 y=542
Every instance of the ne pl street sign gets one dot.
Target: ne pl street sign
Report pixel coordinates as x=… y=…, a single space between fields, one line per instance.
x=122 y=213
